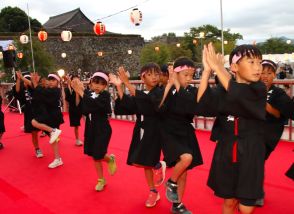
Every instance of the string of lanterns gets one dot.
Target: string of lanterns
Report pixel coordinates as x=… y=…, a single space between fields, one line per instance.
x=99 y=29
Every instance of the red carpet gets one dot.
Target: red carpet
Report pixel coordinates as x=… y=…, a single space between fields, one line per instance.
x=28 y=186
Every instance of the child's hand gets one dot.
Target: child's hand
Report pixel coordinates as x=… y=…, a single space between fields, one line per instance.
x=19 y=75
x=115 y=80
x=215 y=61
x=122 y=74
x=206 y=67
x=35 y=79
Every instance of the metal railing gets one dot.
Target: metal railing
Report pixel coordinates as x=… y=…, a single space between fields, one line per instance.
x=206 y=123
x=201 y=123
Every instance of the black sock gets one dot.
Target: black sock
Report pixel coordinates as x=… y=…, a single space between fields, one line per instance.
x=176 y=204
x=169 y=180
x=154 y=190
x=157 y=166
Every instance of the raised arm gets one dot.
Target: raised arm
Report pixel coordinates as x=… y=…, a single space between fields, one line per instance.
x=115 y=80
x=216 y=63
x=124 y=78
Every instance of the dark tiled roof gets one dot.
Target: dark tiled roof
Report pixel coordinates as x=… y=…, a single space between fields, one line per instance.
x=58 y=22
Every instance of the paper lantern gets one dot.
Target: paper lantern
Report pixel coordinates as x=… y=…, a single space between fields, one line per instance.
x=136 y=16
x=24 y=39
x=20 y=55
x=100 y=53
x=61 y=72
x=66 y=35
x=99 y=28
x=63 y=55
x=42 y=35
x=11 y=47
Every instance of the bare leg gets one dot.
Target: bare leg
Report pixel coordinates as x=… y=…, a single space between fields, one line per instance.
x=229 y=206
x=246 y=209
x=99 y=168
x=76 y=130
x=55 y=150
x=149 y=177
x=41 y=126
x=181 y=185
x=35 y=139
x=181 y=166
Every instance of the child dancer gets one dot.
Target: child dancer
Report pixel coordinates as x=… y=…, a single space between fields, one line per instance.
x=145 y=147
x=2 y=126
x=48 y=116
x=75 y=113
x=237 y=169
x=96 y=107
x=278 y=107
x=180 y=146
x=29 y=105
x=278 y=110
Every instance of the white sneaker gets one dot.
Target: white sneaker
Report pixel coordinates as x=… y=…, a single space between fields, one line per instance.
x=39 y=153
x=57 y=162
x=54 y=135
x=79 y=143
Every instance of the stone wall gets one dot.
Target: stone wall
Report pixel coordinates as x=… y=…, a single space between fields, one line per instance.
x=82 y=53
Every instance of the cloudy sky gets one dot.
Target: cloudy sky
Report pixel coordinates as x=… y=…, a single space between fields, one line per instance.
x=254 y=19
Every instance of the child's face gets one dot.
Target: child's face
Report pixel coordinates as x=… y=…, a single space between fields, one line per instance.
x=163 y=78
x=150 y=79
x=267 y=76
x=97 y=87
x=248 y=70
x=185 y=77
x=52 y=83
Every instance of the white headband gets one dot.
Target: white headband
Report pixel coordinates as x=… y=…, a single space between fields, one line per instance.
x=100 y=74
x=54 y=76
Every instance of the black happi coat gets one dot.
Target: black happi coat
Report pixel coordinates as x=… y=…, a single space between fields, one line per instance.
x=2 y=126
x=145 y=146
x=237 y=169
x=178 y=132
x=47 y=106
x=25 y=96
x=274 y=127
x=96 y=108
x=75 y=112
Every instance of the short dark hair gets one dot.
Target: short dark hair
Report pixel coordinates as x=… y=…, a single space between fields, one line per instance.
x=245 y=50
x=266 y=63
x=182 y=61
x=100 y=80
x=150 y=67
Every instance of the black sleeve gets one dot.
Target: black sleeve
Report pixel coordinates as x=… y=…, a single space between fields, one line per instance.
x=282 y=102
x=208 y=105
x=249 y=99
x=100 y=103
x=148 y=103
x=125 y=106
x=68 y=95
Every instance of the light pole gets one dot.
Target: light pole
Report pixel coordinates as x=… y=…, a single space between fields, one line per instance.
x=222 y=25
x=201 y=36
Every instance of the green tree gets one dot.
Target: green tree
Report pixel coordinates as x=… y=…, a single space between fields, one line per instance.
x=44 y=62
x=13 y=19
x=194 y=41
x=276 y=46
x=176 y=52
x=150 y=54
